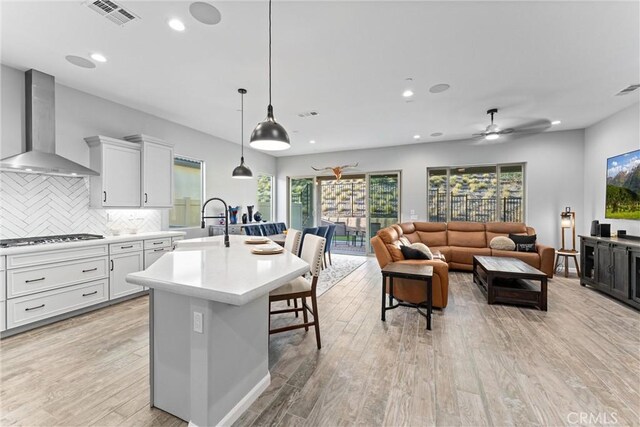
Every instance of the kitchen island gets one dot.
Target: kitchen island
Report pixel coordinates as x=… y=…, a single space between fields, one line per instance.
x=208 y=321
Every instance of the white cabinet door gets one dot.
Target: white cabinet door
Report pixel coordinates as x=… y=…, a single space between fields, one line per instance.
x=121 y=265
x=157 y=179
x=118 y=163
x=120 y=176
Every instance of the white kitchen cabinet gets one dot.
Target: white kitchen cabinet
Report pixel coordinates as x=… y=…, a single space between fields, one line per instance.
x=121 y=265
x=43 y=305
x=152 y=255
x=118 y=163
x=29 y=280
x=156 y=171
x=3 y=293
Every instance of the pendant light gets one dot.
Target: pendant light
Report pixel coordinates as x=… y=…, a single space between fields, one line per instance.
x=242 y=171
x=270 y=135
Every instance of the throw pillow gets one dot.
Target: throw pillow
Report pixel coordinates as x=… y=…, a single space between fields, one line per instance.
x=404 y=241
x=502 y=243
x=423 y=248
x=524 y=243
x=410 y=253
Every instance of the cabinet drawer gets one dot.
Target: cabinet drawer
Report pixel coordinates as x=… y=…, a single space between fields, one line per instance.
x=157 y=243
x=31 y=308
x=39 y=258
x=152 y=255
x=3 y=285
x=3 y=316
x=26 y=281
x=118 y=248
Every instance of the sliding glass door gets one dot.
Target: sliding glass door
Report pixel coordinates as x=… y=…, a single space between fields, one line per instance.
x=384 y=201
x=359 y=205
x=301 y=207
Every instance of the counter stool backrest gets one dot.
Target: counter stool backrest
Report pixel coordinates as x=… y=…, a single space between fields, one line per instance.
x=312 y=253
x=292 y=241
x=308 y=230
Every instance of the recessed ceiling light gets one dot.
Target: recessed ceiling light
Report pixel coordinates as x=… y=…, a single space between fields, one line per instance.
x=176 y=24
x=441 y=87
x=437 y=134
x=205 y=13
x=556 y=122
x=312 y=142
x=416 y=136
x=74 y=174
x=407 y=93
x=98 y=57
x=28 y=170
x=80 y=61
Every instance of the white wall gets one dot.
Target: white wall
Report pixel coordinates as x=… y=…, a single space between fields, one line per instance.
x=79 y=114
x=554 y=172
x=617 y=134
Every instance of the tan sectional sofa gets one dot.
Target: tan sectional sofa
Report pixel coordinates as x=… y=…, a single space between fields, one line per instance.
x=458 y=242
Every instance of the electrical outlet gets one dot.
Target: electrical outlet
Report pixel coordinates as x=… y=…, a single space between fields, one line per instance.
x=413 y=212
x=414 y=217
x=197 y=322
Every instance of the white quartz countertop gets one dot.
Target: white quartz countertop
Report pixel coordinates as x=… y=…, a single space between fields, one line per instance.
x=107 y=240
x=204 y=268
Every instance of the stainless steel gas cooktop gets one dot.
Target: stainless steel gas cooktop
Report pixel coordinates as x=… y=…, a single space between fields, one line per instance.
x=43 y=240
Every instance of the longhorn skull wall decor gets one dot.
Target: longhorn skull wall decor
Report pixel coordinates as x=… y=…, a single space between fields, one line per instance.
x=337 y=170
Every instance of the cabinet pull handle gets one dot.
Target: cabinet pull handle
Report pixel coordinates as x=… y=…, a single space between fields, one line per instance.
x=158 y=243
x=111 y=265
x=146 y=198
x=34 y=280
x=105 y=197
x=90 y=293
x=158 y=250
x=34 y=308
x=91 y=269
x=126 y=247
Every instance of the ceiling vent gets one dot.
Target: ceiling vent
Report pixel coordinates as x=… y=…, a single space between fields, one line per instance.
x=308 y=114
x=112 y=11
x=628 y=90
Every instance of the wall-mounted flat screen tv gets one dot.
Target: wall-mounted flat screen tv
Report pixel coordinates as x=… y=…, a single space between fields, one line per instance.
x=623 y=186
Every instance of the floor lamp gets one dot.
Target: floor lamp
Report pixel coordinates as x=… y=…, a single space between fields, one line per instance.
x=568 y=220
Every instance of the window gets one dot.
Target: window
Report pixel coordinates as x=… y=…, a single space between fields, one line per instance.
x=265 y=197
x=476 y=193
x=188 y=190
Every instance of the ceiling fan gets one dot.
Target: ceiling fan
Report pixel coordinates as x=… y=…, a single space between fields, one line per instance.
x=494 y=132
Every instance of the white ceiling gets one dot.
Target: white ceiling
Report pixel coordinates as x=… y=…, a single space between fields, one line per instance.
x=346 y=60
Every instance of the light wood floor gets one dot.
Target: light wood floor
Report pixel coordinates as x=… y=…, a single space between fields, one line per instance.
x=480 y=365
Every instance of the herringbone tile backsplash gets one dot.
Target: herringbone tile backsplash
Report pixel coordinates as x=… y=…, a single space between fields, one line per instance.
x=40 y=205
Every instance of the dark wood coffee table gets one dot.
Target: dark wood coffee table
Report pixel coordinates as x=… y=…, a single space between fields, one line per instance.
x=510 y=281
x=423 y=273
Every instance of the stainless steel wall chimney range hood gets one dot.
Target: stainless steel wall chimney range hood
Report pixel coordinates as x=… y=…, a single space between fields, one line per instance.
x=39 y=156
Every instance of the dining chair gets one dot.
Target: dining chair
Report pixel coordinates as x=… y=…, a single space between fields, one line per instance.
x=252 y=230
x=302 y=288
x=305 y=231
x=327 y=248
x=268 y=229
x=322 y=231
